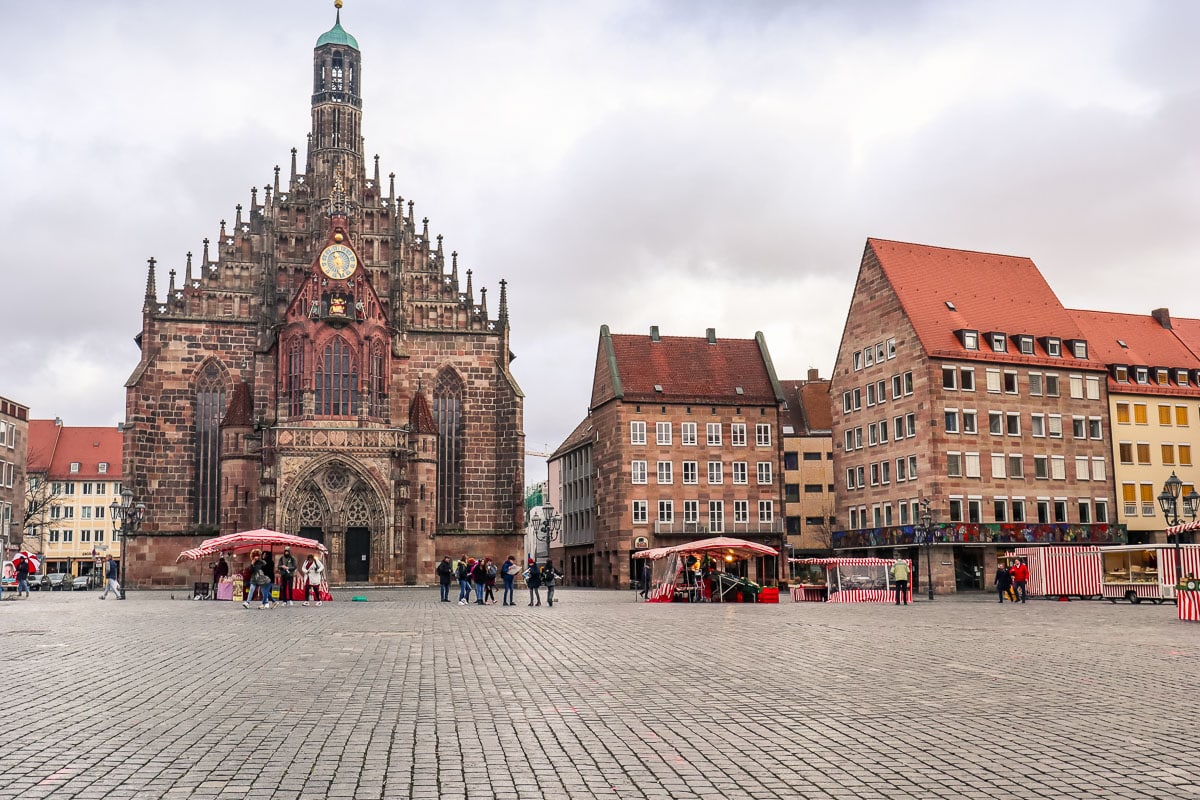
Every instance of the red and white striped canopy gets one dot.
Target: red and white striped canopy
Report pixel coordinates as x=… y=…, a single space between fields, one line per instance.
x=242 y=541
x=1194 y=525
x=737 y=547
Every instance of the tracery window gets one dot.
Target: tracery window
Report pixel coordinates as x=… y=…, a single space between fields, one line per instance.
x=337 y=380
x=210 y=407
x=295 y=378
x=447 y=414
x=377 y=384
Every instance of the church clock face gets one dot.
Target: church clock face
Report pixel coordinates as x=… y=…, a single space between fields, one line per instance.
x=338 y=261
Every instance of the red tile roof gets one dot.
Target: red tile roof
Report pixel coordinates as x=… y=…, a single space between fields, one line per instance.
x=692 y=369
x=1146 y=344
x=1188 y=331
x=990 y=293
x=809 y=410
x=59 y=446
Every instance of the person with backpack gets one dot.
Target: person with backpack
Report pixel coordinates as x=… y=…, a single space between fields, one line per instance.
x=533 y=579
x=489 y=582
x=445 y=571
x=479 y=578
x=463 y=573
x=509 y=572
x=549 y=577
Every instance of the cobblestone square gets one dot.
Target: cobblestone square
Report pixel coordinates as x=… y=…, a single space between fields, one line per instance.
x=599 y=696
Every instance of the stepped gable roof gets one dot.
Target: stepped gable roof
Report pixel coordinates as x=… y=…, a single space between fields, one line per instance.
x=420 y=418
x=943 y=290
x=808 y=407
x=89 y=447
x=692 y=369
x=43 y=437
x=578 y=437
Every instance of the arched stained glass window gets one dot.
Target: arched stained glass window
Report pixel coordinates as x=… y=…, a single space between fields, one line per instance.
x=378 y=381
x=210 y=407
x=448 y=415
x=337 y=380
x=295 y=378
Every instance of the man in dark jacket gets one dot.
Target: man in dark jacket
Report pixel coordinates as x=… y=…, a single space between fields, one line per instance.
x=533 y=579
x=22 y=576
x=1003 y=581
x=287 y=569
x=110 y=577
x=445 y=571
x=479 y=576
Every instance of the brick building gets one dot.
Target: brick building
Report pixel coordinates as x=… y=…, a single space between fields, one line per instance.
x=76 y=473
x=961 y=379
x=14 y=444
x=1153 y=385
x=809 y=489
x=684 y=444
x=324 y=369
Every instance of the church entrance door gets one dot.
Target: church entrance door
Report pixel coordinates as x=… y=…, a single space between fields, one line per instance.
x=358 y=554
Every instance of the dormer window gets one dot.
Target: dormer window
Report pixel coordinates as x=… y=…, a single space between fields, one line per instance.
x=1141 y=374
x=74 y=467
x=103 y=467
x=1079 y=348
x=1162 y=376
x=969 y=339
x=999 y=342
x=1121 y=374
x=1054 y=347
x=1025 y=345
x=1181 y=377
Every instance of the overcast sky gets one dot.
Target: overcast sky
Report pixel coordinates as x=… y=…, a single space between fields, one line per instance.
x=686 y=164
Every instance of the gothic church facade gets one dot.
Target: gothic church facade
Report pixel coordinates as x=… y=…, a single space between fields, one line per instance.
x=322 y=370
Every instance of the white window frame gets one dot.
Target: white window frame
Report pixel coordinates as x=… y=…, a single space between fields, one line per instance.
x=637 y=472
x=712 y=432
x=741 y=473
x=662 y=433
x=765 y=473
x=637 y=432
x=737 y=434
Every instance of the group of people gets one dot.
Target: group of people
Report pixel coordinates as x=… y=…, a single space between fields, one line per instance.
x=264 y=574
x=478 y=576
x=1011 y=580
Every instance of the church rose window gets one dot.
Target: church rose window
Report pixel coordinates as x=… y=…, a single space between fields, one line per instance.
x=337 y=381
x=210 y=407
x=447 y=414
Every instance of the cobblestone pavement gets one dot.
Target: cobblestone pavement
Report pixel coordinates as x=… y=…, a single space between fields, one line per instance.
x=599 y=696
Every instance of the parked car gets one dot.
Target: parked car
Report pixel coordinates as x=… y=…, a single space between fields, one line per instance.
x=57 y=580
x=36 y=582
x=83 y=582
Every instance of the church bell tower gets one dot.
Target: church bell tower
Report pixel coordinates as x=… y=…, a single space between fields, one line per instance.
x=336 y=136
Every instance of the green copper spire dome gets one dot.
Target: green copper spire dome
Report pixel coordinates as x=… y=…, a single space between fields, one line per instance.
x=337 y=34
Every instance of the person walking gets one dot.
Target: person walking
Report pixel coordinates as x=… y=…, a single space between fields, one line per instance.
x=1020 y=577
x=22 y=576
x=269 y=558
x=533 y=579
x=645 y=593
x=489 y=582
x=110 y=578
x=479 y=578
x=509 y=572
x=287 y=569
x=900 y=580
x=463 y=573
x=550 y=576
x=1003 y=581
x=313 y=573
x=445 y=571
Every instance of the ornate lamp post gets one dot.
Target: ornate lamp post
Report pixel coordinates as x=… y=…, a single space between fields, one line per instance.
x=927 y=532
x=1168 y=501
x=549 y=529
x=130 y=518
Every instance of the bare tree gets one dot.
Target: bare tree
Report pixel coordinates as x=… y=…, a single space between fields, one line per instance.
x=39 y=499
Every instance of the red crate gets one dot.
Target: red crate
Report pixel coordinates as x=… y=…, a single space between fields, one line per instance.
x=768 y=595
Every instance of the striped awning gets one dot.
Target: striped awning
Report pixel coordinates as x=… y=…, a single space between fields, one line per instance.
x=242 y=541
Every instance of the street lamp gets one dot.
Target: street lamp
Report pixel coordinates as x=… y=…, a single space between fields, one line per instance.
x=1168 y=501
x=927 y=530
x=130 y=517
x=549 y=529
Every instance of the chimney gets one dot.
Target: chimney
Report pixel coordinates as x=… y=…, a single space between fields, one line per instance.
x=814 y=374
x=654 y=337
x=120 y=427
x=1162 y=316
x=58 y=422
x=711 y=333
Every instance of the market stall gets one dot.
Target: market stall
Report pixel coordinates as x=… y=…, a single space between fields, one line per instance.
x=1187 y=586
x=847 y=580
x=233 y=586
x=1060 y=571
x=701 y=571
